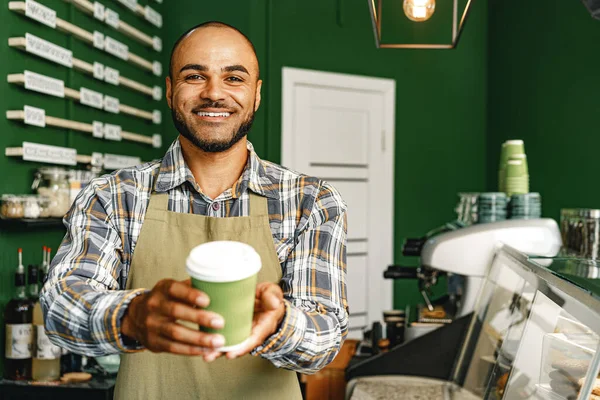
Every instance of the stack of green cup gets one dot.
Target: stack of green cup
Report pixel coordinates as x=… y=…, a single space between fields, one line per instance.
x=513 y=174
x=491 y=207
x=526 y=206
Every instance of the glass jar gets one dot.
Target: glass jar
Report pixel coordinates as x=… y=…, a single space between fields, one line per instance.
x=31 y=207
x=12 y=206
x=53 y=183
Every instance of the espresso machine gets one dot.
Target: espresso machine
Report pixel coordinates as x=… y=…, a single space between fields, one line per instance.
x=464 y=254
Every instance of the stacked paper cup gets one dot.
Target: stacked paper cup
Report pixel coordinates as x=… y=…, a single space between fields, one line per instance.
x=491 y=207
x=525 y=206
x=513 y=174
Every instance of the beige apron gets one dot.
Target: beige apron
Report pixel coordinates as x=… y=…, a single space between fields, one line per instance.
x=163 y=245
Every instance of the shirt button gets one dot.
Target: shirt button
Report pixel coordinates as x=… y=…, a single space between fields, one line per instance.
x=216 y=206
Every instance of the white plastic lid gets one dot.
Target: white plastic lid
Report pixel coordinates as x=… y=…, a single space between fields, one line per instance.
x=512 y=142
x=223 y=261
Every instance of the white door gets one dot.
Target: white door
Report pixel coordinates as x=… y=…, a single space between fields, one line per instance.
x=340 y=128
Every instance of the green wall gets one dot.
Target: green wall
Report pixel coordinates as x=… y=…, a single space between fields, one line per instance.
x=543 y=87
x=440 y=103
x=17 y=175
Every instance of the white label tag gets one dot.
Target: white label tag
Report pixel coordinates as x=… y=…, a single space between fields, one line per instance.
x=114 y=161
x=49 y=154
x=156 y=117
x=45 y=349
x=116 y=48
x=98 y=129
x=157 y=141
x=157 y=43
x=35 y=116
x=98 y=40
x=40 y=13
x=156 y=93
x=157 y=68
x=90 y=98
x=153 y=16
x=44 y=84
x=47 y=50
x=111 y=104
x=112 y=132
x=98 y=71
x=111 y=75
x=98 y=11
x=97 y=159
x=19 y=341
x=131 y=4
x=111 y=18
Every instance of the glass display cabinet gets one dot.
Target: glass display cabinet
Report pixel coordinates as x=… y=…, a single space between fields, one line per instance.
x=534 y=334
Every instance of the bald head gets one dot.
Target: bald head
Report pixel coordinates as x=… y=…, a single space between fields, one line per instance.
x=206 y=28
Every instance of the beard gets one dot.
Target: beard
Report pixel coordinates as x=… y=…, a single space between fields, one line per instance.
x=211 y=146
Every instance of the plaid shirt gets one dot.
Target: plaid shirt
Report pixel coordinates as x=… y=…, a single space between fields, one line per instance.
x=84 y=298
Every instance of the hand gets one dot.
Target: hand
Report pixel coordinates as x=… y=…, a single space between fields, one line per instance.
x=151 y=320
x=269 y=310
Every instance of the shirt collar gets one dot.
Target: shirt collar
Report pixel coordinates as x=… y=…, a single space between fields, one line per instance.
x=175 y=172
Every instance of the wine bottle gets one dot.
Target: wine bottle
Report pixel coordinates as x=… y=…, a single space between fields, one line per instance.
x=18 y=318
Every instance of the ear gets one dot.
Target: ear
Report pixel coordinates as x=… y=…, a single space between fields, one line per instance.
x=257 y=95
x=168 y=91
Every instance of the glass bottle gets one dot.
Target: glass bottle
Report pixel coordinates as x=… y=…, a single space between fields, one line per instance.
x=46 y=355
x=18 y=330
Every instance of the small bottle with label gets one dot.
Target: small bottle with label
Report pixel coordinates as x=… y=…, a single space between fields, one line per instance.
x=46 y=355
x=18 y=318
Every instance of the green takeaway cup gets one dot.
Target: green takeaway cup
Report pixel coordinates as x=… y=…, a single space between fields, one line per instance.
x=227 y=272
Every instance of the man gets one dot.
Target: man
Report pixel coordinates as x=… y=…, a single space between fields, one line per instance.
x=118 y=282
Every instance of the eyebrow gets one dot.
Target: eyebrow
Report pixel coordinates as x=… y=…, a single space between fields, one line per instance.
x=200 y=67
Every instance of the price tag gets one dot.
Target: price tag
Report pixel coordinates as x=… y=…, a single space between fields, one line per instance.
x=98 y=71
x=156 y=117
x=157 y=141
x=111 y=75
x=98 y=130
x=35 y=116
x=44 y=84
x=112 y=132
x=153 y=16
x=131 y=4
x=91 y=98
x=157 y=43
x=114 y=161
x=157 y=93
x=157 y=68
x=40 y=13
x=98 y=40
x=116 y=48
x=111 y=104
x=111 y=18
x=49 y=154
x=47 y=50
x=98 y=11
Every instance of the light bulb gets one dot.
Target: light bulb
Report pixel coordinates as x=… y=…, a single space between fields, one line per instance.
x=419 y=10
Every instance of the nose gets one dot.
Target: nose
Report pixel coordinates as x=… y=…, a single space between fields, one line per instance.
x=212 y=90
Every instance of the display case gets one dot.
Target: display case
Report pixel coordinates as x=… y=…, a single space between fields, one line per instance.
x=534 y=334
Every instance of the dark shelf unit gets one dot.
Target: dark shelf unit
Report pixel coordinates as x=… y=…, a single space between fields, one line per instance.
x=26 y=223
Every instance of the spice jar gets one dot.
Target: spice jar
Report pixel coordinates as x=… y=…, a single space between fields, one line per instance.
x=12 y=206
x=44 y=203
x=53 y=183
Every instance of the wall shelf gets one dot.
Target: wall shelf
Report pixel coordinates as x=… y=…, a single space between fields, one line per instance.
x=27 y=223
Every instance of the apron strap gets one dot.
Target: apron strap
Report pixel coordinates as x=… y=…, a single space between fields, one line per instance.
x=259 y=205
x=159 y=201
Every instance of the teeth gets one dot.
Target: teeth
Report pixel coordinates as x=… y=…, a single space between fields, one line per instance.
x=212 y=114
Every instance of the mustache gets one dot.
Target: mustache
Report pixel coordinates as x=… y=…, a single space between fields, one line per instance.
x=211 y=104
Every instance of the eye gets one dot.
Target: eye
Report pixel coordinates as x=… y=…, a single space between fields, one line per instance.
x=235 y=79
x=193 y=77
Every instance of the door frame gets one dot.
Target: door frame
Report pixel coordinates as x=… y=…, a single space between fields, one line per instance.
x=380 y=253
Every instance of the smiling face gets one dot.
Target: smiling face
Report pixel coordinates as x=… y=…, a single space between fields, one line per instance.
x=213 y=90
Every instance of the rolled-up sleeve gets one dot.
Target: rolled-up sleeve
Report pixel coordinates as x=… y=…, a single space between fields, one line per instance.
x=81 y=300
x=314 y=284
